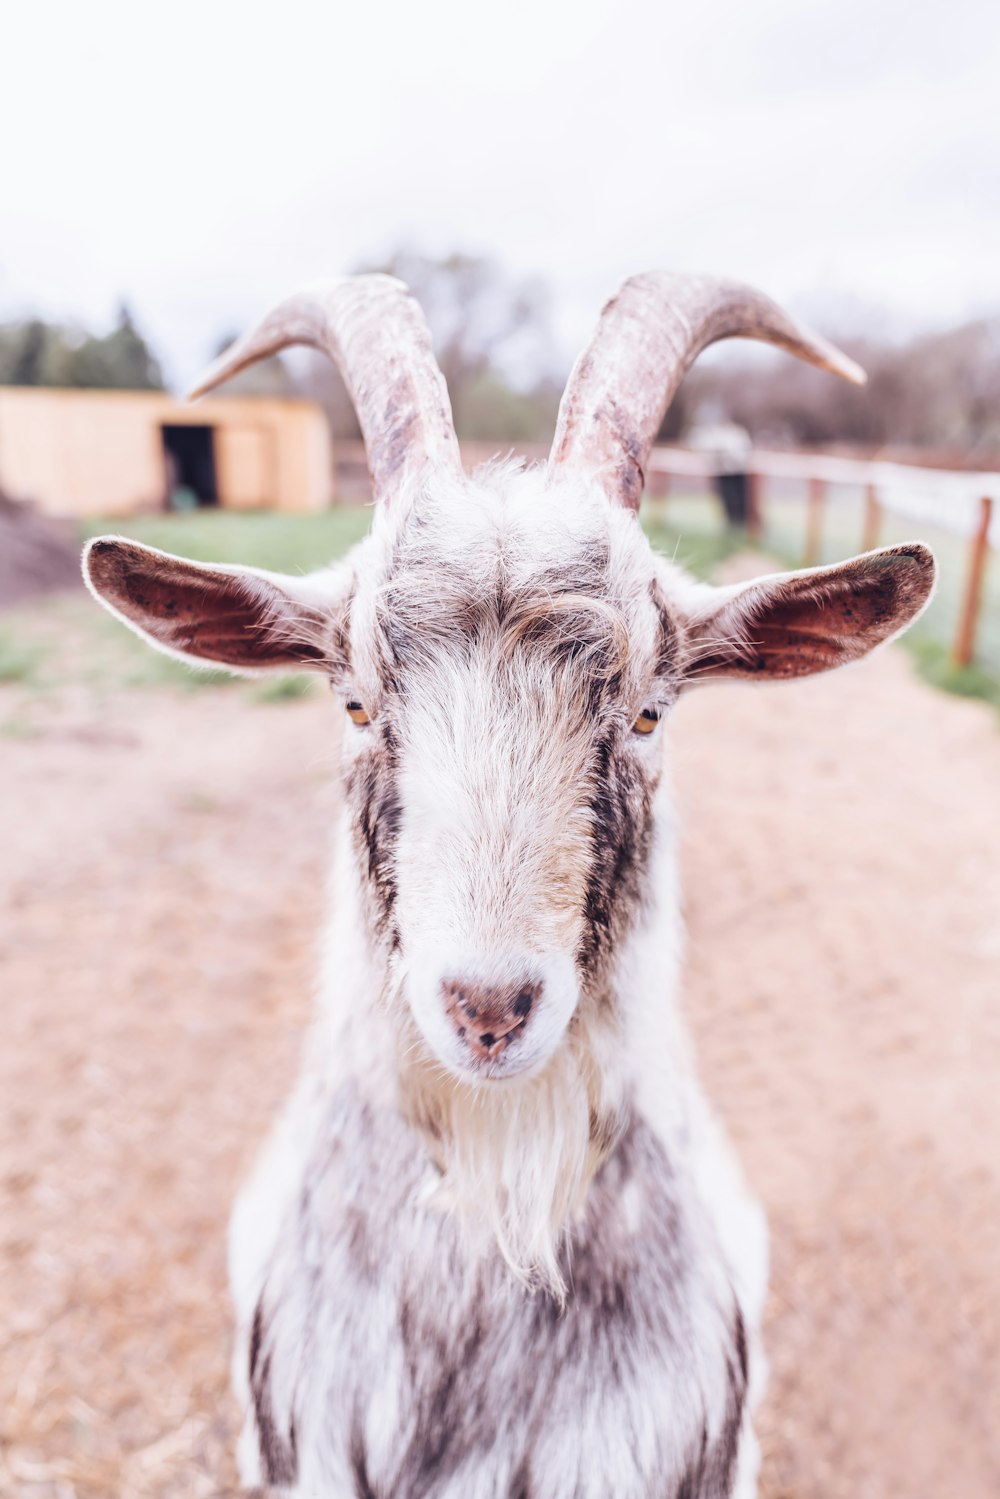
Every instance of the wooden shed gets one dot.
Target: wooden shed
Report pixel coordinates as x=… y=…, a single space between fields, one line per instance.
x=90 y=452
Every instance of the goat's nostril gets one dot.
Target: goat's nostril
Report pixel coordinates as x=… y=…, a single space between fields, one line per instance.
x=501 y=1009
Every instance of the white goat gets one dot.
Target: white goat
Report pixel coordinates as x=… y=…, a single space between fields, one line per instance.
x=497 y=1248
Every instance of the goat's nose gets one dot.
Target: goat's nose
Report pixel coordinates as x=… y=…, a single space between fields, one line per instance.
x=488 y=1017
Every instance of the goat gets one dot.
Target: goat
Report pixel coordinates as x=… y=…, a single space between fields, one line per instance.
x=497 y=1246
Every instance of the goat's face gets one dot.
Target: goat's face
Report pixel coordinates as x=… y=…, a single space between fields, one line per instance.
x=506 y=648
x=505 y=652
x=505 y=669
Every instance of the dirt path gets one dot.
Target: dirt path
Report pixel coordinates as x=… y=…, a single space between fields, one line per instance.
x=160 y=875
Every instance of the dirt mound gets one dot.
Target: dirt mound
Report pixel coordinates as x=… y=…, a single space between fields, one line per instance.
x=37 y=554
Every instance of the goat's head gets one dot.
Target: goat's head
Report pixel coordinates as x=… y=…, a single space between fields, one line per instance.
x=504 y=648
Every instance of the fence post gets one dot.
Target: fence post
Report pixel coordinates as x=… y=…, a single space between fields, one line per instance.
x=869 y=538
x=814 y=521
x=965 y=636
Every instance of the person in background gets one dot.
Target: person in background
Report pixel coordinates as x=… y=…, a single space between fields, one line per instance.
x=729 y=447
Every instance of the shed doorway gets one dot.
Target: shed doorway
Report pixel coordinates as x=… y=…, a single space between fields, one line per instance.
x=189 y=454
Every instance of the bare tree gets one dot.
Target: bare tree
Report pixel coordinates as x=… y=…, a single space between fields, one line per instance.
x=491 y=339
x=937 y=391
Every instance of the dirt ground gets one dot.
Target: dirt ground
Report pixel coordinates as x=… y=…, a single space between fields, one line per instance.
x=161 y=873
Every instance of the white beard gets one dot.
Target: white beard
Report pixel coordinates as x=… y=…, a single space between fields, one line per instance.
x=517 y=1157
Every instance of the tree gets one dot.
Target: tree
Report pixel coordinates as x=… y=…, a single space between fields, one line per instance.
x=38 y=353
x=28 y=355
x=937 y=391
x=122 y=360
x=32 y=353
x=491 y=339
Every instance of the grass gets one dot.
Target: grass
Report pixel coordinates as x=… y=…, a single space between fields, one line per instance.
x=284 y=689
x=20 y=656
x=689 y=531
x=934 y=663
x=284 y=543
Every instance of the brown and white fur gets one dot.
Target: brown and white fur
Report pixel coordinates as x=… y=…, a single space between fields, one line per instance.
x=519 y=1262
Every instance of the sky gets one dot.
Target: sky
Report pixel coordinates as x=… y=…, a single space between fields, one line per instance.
x=201 y=160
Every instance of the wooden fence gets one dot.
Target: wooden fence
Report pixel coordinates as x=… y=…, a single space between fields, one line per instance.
x=962 y=504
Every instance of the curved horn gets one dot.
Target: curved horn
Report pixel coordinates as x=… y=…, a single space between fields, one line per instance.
x=646 y=339
x=375 y=333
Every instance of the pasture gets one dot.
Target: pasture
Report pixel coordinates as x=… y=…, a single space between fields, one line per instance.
x=162 y=874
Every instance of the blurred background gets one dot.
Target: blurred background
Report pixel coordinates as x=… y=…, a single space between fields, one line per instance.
x=165 y=177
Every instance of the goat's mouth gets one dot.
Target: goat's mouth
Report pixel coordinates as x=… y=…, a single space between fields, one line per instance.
x=516 y=1061
x=479 y=1057
x=500 y=1061
x=482 y=1057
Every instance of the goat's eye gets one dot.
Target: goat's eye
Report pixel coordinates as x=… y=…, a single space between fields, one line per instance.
x=646 y=722
x=356 y=713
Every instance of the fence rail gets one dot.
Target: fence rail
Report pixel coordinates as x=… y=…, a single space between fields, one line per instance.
x=962 y=504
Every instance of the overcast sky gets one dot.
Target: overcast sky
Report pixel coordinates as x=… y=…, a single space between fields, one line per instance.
x=202 y=159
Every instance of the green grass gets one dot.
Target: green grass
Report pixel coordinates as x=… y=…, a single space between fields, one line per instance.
x=284 y=543
x=284 y=689
x=935 y=665
x=690 y=531
x=20 y=655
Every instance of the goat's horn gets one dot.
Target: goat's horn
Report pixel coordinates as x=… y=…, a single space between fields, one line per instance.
x=374 y=331
x=646 y=339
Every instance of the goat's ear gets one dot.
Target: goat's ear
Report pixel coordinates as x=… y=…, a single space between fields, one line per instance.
x=795 y=624
x=239 y=617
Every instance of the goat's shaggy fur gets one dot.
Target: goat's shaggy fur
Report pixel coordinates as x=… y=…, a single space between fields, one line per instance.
x=529 y=1268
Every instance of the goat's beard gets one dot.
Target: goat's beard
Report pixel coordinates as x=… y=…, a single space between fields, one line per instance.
x=517 y=1157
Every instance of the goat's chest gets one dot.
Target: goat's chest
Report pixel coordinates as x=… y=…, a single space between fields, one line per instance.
x=388 y=1360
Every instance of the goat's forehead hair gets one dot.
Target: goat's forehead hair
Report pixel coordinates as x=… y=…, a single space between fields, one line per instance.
x=552 y=576
x=509 y=530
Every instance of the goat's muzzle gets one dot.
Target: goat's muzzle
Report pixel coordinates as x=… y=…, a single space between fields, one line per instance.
x=488 y=1018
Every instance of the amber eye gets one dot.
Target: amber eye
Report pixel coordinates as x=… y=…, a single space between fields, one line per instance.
x=356 y=713
x=646 y=722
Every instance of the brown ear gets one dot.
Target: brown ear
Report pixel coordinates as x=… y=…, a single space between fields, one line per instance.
x=794 y=624
x=239 y=617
